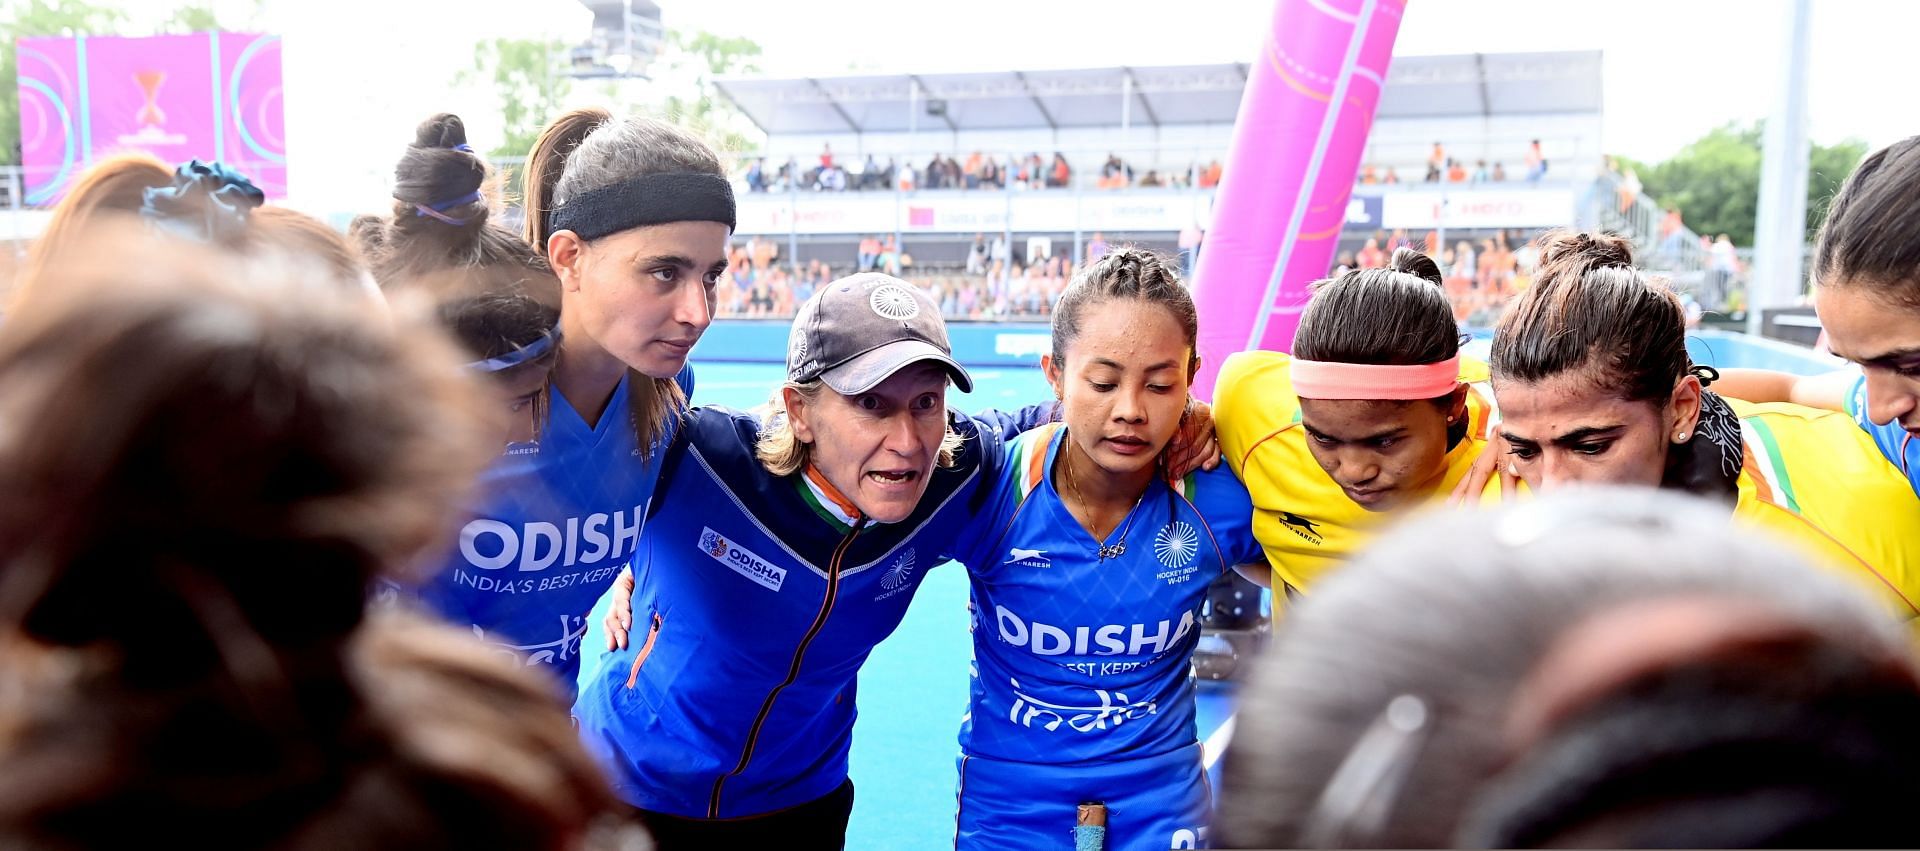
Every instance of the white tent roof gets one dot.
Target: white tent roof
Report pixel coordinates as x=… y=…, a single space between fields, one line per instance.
x=1417 y=86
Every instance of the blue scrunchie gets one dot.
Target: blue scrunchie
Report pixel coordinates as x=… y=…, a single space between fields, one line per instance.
x=207 y=202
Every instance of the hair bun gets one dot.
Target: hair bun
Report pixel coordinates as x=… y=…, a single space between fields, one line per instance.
x=433 y=173
x=1415 y=263
x=444 y=130
x=1588 y=249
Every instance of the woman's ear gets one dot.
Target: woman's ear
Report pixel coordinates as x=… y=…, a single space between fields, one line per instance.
x=796 y=403
x=1685 y=405
x=1457 y=406
x=565 y=253
x=1052 y=369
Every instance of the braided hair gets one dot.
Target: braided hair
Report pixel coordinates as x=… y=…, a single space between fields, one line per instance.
x=1125 y=273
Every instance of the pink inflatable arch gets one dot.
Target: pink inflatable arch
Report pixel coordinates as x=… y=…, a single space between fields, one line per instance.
x=1297 y=143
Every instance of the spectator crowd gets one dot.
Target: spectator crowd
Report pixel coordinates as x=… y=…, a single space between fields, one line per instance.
x=976 y=171
x=1442 y=167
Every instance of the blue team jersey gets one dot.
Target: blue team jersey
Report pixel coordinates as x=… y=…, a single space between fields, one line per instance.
x=1894 y=441
x=1079 y=659
x=558 y=519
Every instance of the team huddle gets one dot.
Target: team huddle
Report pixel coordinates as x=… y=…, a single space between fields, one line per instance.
x=756 y=558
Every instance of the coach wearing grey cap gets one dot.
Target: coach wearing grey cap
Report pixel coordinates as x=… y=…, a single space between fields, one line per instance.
x=779 y=549
x=861 y=329
x=879 y=345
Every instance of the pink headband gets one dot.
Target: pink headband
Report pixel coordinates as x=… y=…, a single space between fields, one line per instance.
x=1326 y=380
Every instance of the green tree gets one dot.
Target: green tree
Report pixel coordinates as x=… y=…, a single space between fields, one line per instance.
x=527 y=76
x=1827 y=168
x=31 y=18
x=193 y=18
x=198 y=16
x=1715 y=181
x=708 y=56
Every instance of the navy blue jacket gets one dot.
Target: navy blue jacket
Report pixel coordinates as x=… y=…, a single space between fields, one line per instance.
x=753 y=611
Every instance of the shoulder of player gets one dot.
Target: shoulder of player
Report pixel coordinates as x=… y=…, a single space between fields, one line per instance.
x=1252 y=401
x=1474 y=370
x=1034 y=443
x=726 y=441
x=983 y=448
x=1250 y=364
x=717 y=425
x=1013 y=485
x=1222 y=506
x=1249 y=382
x=1776 y=412
x=1211 y=489
x=1815 y=443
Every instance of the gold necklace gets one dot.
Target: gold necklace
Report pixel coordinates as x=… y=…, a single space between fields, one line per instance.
x=1117 y=548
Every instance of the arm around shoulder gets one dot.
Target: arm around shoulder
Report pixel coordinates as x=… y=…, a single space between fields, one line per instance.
x=1827 y=391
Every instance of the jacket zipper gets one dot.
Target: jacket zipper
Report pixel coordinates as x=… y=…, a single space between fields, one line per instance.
x=793 y=668
x=640 y=658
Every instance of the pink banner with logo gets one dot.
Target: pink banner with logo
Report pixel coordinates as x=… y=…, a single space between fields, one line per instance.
x=1297 y=144
x=207 y=96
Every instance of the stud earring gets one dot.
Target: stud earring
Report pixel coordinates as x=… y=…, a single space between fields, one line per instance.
x=1680 y=438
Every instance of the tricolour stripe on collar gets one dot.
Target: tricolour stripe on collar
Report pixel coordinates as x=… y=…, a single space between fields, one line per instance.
x=827 y=500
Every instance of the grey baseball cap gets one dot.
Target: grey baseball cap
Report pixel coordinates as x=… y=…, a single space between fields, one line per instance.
x=857 y=331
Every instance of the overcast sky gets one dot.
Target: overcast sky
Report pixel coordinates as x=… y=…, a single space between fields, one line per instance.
x=360 y=73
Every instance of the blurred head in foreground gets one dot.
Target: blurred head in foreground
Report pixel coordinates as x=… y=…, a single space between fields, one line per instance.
x=1590 y=669
x=204 y=459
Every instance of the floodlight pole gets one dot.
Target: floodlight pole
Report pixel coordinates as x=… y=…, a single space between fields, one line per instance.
x=913 y=128
x=626 y=29
x=1079 y=206
x=1007 y=227
x=1780 y=235
x=793 y=217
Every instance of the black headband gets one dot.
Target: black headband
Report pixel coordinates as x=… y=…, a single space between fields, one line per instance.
x=651 y=199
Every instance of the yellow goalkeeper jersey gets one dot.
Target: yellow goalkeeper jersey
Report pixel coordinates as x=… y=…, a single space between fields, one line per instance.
x=1303 y=520
x=1815 y=478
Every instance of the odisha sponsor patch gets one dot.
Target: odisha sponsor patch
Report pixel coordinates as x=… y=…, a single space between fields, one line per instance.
x=741 y=560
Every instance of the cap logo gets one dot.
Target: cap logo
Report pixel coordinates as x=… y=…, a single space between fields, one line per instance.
x=893 y=302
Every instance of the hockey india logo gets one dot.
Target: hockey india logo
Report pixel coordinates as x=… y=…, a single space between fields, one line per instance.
x=797 y=352
x=1176 y=544
x=899 y=573
x=893 y=302
x=715 y=545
